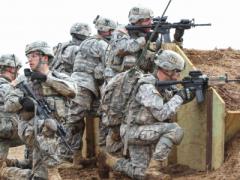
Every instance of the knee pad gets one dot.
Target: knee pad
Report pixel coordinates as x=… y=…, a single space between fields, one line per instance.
x=175 y=133
x=178 y=136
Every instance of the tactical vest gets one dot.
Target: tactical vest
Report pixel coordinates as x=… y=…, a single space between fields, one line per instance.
x=122 y=61
x=88 y=59
x=54 y=100
x=116 y=94
x=88 y=64
x=138 y=114
x=64 y=59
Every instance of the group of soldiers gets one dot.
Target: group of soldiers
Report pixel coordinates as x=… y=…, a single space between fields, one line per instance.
x=73 y=81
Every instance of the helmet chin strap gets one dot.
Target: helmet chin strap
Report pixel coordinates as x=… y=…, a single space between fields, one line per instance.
x=168 y=74
x=38 y=67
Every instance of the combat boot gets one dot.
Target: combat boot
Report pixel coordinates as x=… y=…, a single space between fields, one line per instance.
x=77 y=157
x=105 y=162
x=53 y=174
x=153 y=171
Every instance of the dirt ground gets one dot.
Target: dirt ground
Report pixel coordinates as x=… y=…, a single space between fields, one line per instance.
x=213 y=63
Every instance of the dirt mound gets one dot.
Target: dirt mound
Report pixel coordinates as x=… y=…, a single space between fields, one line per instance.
x=218 y=62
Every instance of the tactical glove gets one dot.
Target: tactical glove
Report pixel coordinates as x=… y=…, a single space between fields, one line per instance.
x=186 y=94
x=27 y=104
x=38 y=76
x=178 y=35
x=148 y=35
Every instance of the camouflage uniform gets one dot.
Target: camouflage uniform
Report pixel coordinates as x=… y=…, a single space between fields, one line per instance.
x=145 y=128
x=88 y=71
x=126 y=48
x=36 y=132
x=65 y=53
x=64 y=62
x=8 y=126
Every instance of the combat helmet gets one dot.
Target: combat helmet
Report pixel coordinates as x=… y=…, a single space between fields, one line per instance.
x=137 y=13
x=169 y=60
x=10 y=60
x=104 y=24
x=80 y=29
x=40 y=46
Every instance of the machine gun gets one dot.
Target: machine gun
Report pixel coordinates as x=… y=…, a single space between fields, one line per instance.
x=43 y=109
x=198 y=82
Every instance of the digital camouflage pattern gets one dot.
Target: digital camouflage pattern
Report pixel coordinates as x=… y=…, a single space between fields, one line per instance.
x=137 y=13
x=88 y=73
x=169 y=60
x=65 y=53
x=126 y=48
x=9 y=136
x=10 y=60
x=104 y=24
x=41 y=46
x=81 y=29
x=144 y=126
x=57 y=88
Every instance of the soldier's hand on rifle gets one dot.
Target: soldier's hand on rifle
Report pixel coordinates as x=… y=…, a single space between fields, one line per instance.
x=178 y=35
x=148 y=35
x=38 y=76
x=186 y=94
x=27 y=104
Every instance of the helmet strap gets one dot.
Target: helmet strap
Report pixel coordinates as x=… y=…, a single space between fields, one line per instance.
x=38 y=67
x=168 y=73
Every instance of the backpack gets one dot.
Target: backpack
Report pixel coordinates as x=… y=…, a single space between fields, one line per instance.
x=116 y=94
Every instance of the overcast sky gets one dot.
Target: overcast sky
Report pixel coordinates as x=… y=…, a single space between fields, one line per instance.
x=25 y=21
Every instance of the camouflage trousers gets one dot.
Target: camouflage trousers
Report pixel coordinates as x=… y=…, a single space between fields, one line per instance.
x=140 y=139
x=109 y=136
x=77 y=110
x=12 y=172
x=45 y=148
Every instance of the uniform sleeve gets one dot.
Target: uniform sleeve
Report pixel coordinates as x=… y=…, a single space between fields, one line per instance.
x=12 y=100
x=123 y=44
x=63 y=84
x=149 y=97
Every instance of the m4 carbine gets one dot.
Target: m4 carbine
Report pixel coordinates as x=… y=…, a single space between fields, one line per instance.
x=198 y=82
x=44 y=111
x=165 y=26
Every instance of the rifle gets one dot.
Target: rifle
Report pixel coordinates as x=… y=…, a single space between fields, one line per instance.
x=158 y=23
x=198 y=82
x=164 y=26
x=44 y=111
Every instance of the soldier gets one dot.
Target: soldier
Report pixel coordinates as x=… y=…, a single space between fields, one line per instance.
x=126 y=48
x=88 y=73
x=65 y=53
x=145 y=125
x=52 y=89
x=63 y=62
x=9 y=66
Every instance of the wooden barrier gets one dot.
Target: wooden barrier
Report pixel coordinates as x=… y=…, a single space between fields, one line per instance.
x=232 y=122
x=202 y=147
